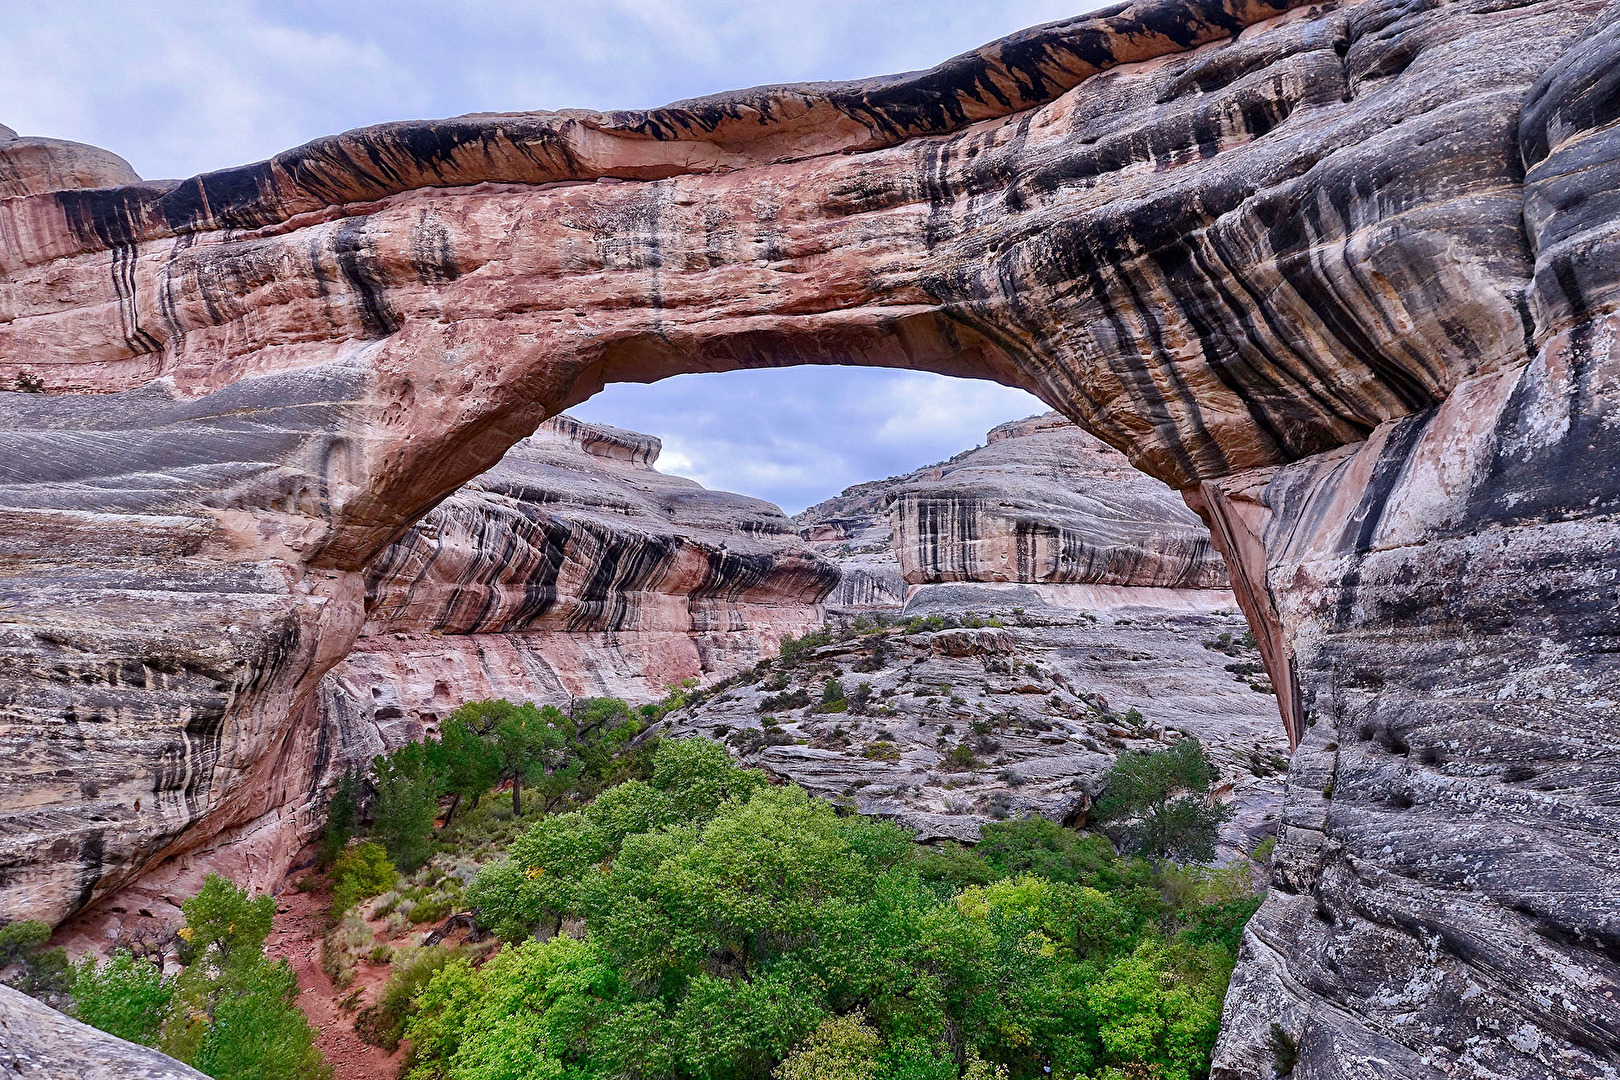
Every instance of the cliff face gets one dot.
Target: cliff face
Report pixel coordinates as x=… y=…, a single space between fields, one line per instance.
x=39 y=1043
x=1342 y=274
x=1041 y=502
x=572 y=568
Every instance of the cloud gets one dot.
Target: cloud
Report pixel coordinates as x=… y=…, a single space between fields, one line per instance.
x=798 y=435
x=179 y=87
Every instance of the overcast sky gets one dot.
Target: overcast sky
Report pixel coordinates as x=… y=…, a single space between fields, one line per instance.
x=179 y=87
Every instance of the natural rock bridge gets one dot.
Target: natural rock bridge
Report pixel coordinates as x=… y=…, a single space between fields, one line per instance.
x=1343 y=273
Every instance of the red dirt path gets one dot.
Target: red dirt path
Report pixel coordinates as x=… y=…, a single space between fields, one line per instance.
x=299 y=926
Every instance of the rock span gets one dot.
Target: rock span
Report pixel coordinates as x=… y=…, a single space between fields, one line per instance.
x=1341 y=273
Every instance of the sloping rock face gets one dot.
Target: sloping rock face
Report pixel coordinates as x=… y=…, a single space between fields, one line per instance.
x=1044 y=502
x=572 y=569
x=1040 y=502
x=39 y=1043
x=977 y=723
x=853 y=530
x=1342 y=274
x=1105 y=593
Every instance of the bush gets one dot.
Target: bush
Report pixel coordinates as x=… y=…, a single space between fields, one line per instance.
x=363 y=870
x=1159 y=802
x=842 y=1048
x=125 y=997
x=383 y=1023
x=43 y=972
x=230 y=1011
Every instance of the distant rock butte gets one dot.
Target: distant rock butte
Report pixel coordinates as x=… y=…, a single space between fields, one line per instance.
x=1041 y=502
x=1343 y=274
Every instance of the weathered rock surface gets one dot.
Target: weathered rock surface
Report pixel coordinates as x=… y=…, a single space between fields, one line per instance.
x=39 y=1043
x=572 y=569
x=1044 y=502
x=1343 y=274
x=1040 y=501
x=1108 y=589
x=1043 y=705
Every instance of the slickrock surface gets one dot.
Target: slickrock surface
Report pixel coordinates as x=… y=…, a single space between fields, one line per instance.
x=572 y=568
x=1042 y=704
x=1342 y=273
x=39 y=1043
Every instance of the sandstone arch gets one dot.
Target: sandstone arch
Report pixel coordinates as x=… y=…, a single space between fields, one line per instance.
x=1339 y=272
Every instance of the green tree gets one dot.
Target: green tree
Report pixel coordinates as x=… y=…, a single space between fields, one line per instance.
x=406 y=803
x=467 y=764
x=225 y=924
x=125 y=996
x=342 y=816
x=362 y=870
x=1160 y=803
x=230 y=1011
x=529 y=744
x=255 y=1029
x=842 y=1048
x=42 y=971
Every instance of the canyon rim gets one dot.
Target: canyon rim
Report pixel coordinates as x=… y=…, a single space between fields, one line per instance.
x=1342 y=274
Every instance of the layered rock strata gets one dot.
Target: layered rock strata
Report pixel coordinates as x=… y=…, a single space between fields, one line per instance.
x=39 y=1043
x=1341 y=273
x=572 y=569
x=1041 y=502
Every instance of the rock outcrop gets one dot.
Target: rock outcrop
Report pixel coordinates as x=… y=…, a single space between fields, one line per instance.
x=1341 y=273
x=944 y=729
x=1109 y=612
x=39 y=1043
x=1040 y=502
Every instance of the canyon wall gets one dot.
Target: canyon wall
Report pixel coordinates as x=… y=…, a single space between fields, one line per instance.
x=1340 y=273
x=572 y=569
x=1041 y=502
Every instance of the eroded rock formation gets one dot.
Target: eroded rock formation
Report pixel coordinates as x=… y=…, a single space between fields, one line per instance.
x=572 y=569
x=1341 y=273
x=1041 y=502
x=39 y=1043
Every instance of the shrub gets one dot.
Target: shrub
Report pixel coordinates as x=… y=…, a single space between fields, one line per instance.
x=794 y=699
x=230 y=1011
x=842 y=1048
x=363 y=870
x=43 y=972
x=125 y=997
x=383 y=1023
x=1159 y=802
x=343 y=947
